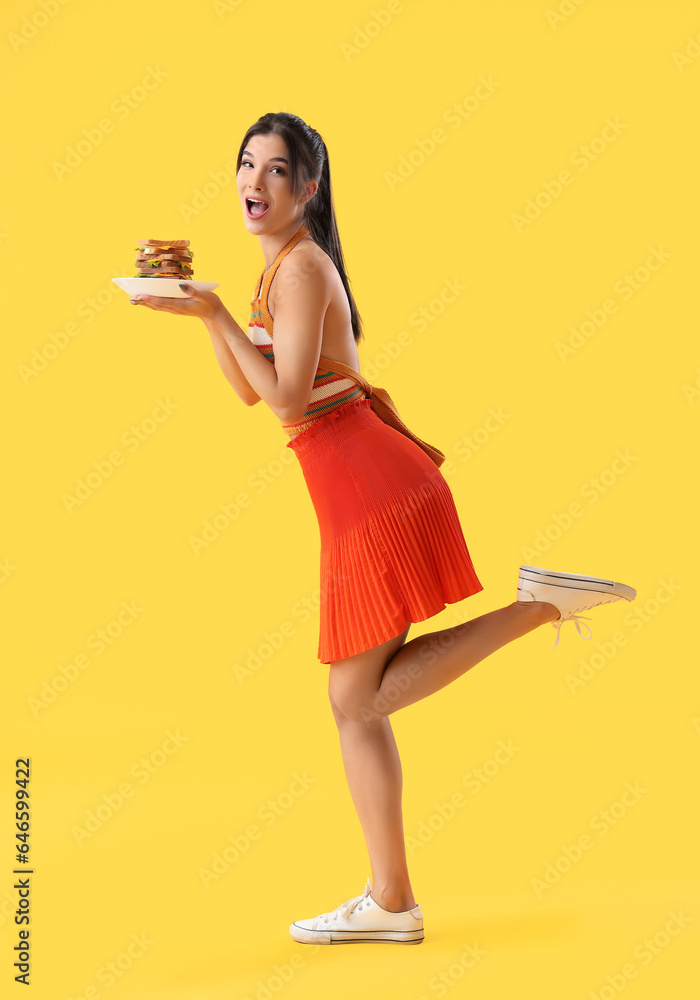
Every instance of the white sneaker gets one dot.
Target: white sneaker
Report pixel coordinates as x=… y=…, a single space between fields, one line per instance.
x=569 y=593
x=359 y=920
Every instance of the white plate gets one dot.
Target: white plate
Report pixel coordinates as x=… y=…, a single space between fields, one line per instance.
x=164 y=287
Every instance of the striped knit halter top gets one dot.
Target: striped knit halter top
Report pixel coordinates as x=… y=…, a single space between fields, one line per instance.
x=332 y=388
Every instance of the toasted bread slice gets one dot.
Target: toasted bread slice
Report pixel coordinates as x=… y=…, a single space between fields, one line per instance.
x=167 y=256
x=164 y=243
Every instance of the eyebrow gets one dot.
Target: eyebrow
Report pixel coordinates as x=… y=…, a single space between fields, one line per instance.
x=271 y=160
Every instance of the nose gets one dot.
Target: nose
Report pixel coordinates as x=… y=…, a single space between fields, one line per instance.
x=254 y=184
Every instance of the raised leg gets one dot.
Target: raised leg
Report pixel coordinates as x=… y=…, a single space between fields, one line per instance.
x=370 y=686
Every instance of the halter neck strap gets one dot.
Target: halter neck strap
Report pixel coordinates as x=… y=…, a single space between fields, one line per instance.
x=263 y=286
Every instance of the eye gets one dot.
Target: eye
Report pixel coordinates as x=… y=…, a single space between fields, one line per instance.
x=247 y=163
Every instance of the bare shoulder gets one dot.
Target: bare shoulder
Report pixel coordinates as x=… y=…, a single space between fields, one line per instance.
x=306 y=264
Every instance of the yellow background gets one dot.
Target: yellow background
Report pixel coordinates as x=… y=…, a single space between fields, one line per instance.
x=582 y=724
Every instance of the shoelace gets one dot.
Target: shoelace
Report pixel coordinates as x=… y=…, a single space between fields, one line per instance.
x=571 y=617
x=345 y=909
x=576 y=619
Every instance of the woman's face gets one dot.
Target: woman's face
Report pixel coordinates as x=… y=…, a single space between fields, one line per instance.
x=264 y=176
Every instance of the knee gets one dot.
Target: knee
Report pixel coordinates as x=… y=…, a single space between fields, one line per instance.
x=339 y=716
x=347 y=709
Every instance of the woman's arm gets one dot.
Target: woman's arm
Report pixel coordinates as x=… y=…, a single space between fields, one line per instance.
x=222 y=328
x=227 y=361
x=302 y=296
x=301 y=301
x=250 y=373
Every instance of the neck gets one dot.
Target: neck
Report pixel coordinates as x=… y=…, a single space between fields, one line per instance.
x=272 y=243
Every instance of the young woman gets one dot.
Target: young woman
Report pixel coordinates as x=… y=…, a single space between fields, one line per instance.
x=392 y=549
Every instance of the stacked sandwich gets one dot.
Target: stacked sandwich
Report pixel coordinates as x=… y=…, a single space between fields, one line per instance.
x=164 y=259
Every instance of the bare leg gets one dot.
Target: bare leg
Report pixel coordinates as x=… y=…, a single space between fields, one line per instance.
x=374 y=776
x=370 y=686
x=370 y=755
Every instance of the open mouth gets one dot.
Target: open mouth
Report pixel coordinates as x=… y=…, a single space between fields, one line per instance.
x=256 y=209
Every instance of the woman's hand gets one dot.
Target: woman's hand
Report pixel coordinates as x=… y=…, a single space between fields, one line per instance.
x=204 y=305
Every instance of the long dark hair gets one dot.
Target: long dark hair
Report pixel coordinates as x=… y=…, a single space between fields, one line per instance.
x=308 y=160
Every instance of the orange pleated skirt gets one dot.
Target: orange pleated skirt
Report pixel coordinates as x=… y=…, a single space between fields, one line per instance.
x=392 y=548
